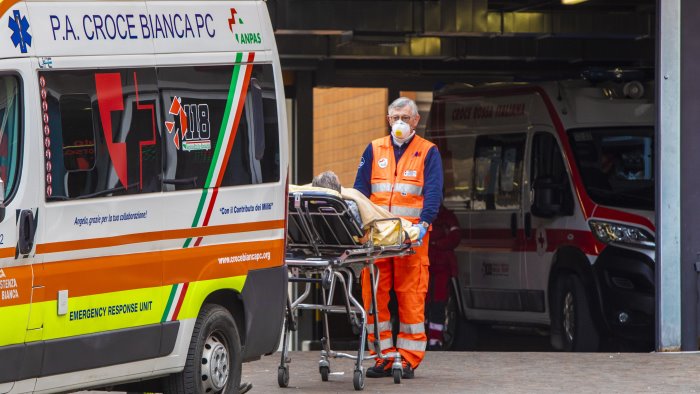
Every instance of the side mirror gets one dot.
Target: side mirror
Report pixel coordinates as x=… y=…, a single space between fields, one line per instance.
x=551 y=198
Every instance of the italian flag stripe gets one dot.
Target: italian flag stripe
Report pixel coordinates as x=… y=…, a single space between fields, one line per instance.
x=181 y=298
x=171 y=297
x=177 y=295
x=227 y=135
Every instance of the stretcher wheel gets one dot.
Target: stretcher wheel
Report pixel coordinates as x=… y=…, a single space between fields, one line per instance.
x=397 y=375
x=325 y=371
x=283 y=376
x=358 y=380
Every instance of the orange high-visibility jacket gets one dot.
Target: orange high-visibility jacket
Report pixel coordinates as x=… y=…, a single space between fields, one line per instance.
x=399 y=187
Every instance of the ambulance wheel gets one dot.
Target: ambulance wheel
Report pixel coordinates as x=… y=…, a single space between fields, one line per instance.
x=578 y=330
x=283 y=376
x=214 y=359
x=358 y=380
x=458 y=333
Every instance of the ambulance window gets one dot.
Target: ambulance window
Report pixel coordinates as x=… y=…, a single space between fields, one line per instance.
x=547 y=164
x=547 y=161
x=101 y=135
x=458 y=166
x=10 y=132
x=78 y=135
x=211 y=137
x=498 y=167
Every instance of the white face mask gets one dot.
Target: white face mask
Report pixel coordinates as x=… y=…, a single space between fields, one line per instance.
x=401 y=132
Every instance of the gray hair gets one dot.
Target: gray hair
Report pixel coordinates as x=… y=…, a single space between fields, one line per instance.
x=402 y=102
x=327 y=179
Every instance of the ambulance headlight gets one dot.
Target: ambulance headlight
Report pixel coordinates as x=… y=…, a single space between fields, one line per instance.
x=611 y=233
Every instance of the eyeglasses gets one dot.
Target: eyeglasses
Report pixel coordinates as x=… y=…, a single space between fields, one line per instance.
x=395 y=118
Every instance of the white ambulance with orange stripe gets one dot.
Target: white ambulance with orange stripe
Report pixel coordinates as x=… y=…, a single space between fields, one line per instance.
x=553 y=185
x=144 y=163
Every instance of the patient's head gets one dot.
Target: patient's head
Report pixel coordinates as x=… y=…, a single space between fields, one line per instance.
x=327 y=179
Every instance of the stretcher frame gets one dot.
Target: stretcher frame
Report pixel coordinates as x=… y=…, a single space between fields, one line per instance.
x=323 y=249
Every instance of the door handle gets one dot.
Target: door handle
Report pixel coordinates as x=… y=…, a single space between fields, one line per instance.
x=514 y=224
x=26 y=231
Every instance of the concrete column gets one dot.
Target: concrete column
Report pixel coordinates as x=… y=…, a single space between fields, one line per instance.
x=668 y=176
x=690 y=183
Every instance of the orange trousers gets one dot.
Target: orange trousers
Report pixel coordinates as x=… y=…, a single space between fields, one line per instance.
x=408 y=276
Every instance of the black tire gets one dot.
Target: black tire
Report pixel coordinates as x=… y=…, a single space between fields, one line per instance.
x=459 y=334
x=325 y=371
x=397 y=375
x=573 y=315
x=283 y=376
x=358 y=380
x=214 y=359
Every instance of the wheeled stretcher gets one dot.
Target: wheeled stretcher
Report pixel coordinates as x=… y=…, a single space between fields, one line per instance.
x=327 y=248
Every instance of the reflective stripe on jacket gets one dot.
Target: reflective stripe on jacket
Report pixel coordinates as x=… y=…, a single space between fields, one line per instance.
x=399 y=187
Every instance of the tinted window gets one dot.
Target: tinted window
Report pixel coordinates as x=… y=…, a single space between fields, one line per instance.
x=498 y=168
x=210 y=122
x=10 y=132
x=101 y=135
x=616 y=165
x=458 y=165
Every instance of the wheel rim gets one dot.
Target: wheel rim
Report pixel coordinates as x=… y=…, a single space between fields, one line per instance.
x=569 y=315
x=215 y=364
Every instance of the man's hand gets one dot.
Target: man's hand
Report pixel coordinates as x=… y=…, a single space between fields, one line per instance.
x=421 y=231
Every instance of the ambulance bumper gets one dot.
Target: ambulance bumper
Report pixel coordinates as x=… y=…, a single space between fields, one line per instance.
x=264 y=298
x=627 y=292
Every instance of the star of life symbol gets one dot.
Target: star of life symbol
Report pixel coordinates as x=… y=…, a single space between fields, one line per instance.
x=541 y=239
x=20 y=31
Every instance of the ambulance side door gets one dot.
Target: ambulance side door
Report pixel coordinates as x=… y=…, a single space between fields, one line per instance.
x=17 y=223
x=548 y=213
x=496 y=236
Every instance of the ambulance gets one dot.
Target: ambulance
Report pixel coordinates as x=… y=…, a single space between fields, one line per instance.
x=143 y=163
x=553 y=186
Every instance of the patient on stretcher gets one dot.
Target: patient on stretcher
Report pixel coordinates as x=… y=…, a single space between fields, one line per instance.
x=369 y=215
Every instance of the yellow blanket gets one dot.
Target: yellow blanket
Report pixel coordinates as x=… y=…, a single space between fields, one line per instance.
x=384 y=232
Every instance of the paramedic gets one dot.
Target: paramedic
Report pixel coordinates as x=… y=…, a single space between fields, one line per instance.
x=444 y=238
x=329 y=180
x=401 y=172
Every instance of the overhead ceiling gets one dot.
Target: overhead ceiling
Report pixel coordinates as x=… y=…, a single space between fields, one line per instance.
x=367 y=43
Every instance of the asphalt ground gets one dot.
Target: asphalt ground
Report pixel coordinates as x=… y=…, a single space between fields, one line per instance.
x=495 y=372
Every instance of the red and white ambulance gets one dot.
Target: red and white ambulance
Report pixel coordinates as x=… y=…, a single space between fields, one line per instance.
x=553 y=185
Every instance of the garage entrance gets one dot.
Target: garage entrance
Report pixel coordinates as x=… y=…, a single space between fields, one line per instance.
x=419 y=46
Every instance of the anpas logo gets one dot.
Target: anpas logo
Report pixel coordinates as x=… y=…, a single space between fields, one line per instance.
x=20 y=31
x=194 y=131
x=242 y=38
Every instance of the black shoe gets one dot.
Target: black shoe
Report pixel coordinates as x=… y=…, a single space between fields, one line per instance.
x=381 y=369
x=407 y=371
